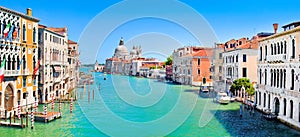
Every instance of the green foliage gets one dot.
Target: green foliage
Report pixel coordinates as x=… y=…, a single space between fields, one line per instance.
x=169 y=61
x=242 y=82
x=153 y=67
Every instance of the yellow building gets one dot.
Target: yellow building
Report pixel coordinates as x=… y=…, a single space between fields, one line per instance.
x=19 y=47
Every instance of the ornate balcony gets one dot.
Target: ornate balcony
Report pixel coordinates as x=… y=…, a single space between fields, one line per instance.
x=12 y=73
x=280 y=58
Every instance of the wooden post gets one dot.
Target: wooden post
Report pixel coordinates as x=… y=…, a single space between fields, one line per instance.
x=26 y=118
x=22 y=121
x=93 y=95
x=89 y=96
x=10 y=119
x=32 y=119
x=14 y=116
x=5 y=115
x=71 y=105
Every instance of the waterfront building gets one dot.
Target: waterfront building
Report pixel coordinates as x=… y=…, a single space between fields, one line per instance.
x=73 y=66
x=98 y=67
x=125 y=63
x=54 y=75
x=19 y=53
x=278 y=72
x=239 y=61
x=191 y=66
x=217 y=68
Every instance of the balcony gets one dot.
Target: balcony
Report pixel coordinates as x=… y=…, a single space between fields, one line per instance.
x=280 y=58
x=12 y=72
x=274 y=89
x=25 y=72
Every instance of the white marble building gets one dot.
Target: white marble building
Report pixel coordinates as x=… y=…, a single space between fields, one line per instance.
x=278 y=72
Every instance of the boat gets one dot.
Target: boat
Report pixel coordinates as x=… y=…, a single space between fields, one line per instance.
x=222 y=98
x=104 y=75
x=270 y=116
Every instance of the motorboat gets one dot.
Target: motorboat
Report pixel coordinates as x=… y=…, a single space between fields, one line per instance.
x=222 y=98
x=270 y=116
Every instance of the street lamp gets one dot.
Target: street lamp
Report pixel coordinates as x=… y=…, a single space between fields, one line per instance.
x=6 y=98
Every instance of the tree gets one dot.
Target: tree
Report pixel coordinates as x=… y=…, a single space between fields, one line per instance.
x=242 y=82
x=169 y=61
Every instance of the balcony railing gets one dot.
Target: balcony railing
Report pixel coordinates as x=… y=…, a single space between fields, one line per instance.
x=275 y=89
x=276 y=58
x=12 y=72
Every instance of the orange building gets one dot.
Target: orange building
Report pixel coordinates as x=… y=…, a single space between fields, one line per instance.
x=191 y=66
x=19 y=47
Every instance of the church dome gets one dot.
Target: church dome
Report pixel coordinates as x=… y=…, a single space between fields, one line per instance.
x=121 y=50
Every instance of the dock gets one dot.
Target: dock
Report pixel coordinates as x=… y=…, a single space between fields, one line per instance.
x=47 y=118
x=8 y=124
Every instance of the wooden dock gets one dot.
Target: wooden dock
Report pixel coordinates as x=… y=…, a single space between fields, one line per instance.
x=47 y=118
x=8 y=124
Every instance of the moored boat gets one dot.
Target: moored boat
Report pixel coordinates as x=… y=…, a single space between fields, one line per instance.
x=222 y=98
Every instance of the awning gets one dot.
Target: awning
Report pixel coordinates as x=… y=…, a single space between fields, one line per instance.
x=57 y=68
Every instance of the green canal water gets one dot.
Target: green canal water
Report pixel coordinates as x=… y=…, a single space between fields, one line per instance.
x=129 y=106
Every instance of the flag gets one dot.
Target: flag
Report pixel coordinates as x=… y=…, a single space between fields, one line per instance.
x=2 y=70
x=6 y=30
x=36 y=69
x=9 y=35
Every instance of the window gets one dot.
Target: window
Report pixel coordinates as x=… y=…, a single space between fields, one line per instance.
x=34 y=34
x=220 y=78
x=293 y=79
x=266 y=52
x=220 y=69
x=220 y=55
x=198 y=61
x=293 y=49
x=244 y=72
x=244 y=58
x=240 y=42
x=266 y=76
x=24 y=81
x=45 y=36
x=237 y=58
x=260 y=76
x=284 y=47
x=24 y=32
x=291 y=108
x=50 y=38
x=271 y=49
x=281 y=46
x=260 y=53
x=24 y=95
x=198 y=71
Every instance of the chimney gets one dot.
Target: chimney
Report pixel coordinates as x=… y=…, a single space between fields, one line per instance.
x=29 y=12
x=275 y=25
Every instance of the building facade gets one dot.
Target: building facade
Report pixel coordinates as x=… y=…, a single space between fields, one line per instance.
x=191 y=66
x=54 y=73
x=278 y=72
x=19 y=51
x=217 y=68
x=73 y=65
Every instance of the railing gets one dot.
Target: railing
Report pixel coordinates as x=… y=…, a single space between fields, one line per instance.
x=12 y=72
x=25 y=72
x=277 y=58
x=274 y=89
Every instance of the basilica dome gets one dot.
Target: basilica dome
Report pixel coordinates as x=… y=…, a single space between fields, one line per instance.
x=121 y=51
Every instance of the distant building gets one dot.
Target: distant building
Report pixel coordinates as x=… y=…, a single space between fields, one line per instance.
x=217 y=68
x=278 y=72
x=73 y=66
x=132 y=63
x=98 y=67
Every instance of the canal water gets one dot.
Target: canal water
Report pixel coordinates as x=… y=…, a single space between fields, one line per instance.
x=130 y=106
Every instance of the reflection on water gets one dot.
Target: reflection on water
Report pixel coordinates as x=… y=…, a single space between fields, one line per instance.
x=225 y=122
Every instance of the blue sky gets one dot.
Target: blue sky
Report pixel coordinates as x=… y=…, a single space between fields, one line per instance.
x=228 y=19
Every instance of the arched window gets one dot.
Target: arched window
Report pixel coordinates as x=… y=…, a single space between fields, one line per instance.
x=198 y=61
x=271 y=49
x=281 y=46
x=24 y=63
x=293 y=49
x=284 y=78
x=278 y=78
x=264 y=99
x=284 y=106
x=284 y=47
x=291 y=108
x=260 y=76
x=33 y=35
x=272 y=77
x=278 y=48
x=293 y=79
x=24 y=32
x=274 y=49
x=281 y=78
x=266 y=77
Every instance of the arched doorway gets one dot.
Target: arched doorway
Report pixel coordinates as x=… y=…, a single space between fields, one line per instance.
x=291 y=108
x=8 y=98
x=284 y=106
x=277 y=105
